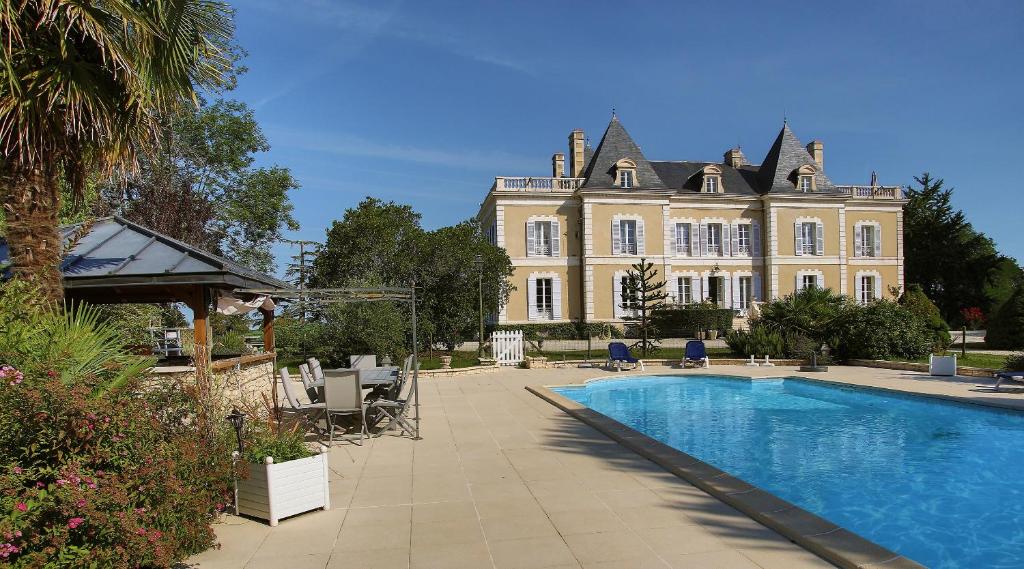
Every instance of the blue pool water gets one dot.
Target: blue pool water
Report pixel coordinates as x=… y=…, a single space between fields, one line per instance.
x=939 y=482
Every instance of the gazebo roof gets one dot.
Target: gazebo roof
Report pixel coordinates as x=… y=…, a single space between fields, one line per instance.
x=116 y=255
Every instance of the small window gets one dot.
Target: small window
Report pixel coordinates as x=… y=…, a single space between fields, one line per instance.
x=627 y=231
x=867 y=289
x=867 y=240
x=746 y=292
x=626 y=178
x=743 y=239
x=629 y=296
x=545 y=299
x=808 y=235
x=544 y=237
x=684 y=290
x=711 y=184
x=806 y=183
x=808 y=281
x=714 y=238
x=683 y=238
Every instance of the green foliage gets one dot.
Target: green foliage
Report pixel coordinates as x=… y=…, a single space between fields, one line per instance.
x=260 y=441
x=1014 y=362
x=644 y=295
x=379 y=328
x=229 y=334
x=375 y=241
x=952 y=262
x=813 y=313
x=134 y=320
x=758 y=341
x=132 y=478
x=43 y=340
x=451 y=283
x=882 y=330
x=688 y=320
x=1006 y=327
x=382 y=243
x=915 y=300
x=1006 y=279
x=201 y=186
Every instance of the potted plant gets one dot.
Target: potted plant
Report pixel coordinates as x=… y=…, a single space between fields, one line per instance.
x=283 y=478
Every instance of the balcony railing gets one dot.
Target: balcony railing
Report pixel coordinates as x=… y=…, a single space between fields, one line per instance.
x=530 y=184
x=872 y=192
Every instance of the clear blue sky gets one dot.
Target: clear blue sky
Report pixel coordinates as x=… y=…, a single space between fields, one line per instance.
x=425 y=102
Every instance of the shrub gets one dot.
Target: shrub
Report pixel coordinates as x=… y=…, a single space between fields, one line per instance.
x=1006 y=327
x=1014 y=362
x=882 y=330
x=758 y=341
x=283 y=444
x=564 y=330
x=915 y=300
x=687 y=320
x=97 y=470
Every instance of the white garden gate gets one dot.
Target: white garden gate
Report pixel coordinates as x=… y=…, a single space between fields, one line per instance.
x=507 y=347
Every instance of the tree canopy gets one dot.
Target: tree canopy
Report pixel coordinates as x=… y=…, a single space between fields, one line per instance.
x=951 y=261
x=200 y=186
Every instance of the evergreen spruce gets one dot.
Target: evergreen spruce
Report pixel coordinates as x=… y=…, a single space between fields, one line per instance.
x=642 y=295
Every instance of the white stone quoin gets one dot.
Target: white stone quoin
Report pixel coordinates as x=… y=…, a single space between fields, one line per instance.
x=278 y=490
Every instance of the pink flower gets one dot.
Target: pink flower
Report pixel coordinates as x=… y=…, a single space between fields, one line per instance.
x=61 y=482
x=141 y=531
x=40 y=484
x=92 y=485
x=51 y=373
x=17 y=533
x=75 y=522
x=7 y=549
x=81 y=503
x=22 y=507
x=140 y=511
x=18 y=470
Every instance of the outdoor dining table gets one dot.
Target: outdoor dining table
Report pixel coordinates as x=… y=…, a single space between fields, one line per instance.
x=368 y=377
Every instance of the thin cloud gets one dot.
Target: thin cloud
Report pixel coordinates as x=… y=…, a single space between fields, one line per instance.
x=349 y=145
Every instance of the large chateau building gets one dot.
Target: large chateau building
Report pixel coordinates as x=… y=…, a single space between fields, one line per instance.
x=728 y=232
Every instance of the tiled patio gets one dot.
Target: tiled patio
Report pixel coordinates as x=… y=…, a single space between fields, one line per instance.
x=503 y=479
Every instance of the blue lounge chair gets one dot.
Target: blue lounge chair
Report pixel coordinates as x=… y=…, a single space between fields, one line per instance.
x=696 y=354
x=1008 y=376
x=618 y=354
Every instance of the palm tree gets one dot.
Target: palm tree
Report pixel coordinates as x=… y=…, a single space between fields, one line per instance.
x=82 y=85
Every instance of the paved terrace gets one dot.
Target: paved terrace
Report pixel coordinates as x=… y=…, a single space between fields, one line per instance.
x=503 y=479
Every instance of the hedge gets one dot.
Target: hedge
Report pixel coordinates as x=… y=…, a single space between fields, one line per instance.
x=686 y=321
x=564 y=330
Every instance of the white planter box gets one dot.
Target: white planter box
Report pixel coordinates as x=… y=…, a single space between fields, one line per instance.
x=275 y=491
x=942 y=365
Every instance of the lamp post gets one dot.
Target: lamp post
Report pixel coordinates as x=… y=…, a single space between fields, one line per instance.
x=237 y=419
x=478 y=262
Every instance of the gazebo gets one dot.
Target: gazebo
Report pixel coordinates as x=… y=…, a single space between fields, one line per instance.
x=113 y=260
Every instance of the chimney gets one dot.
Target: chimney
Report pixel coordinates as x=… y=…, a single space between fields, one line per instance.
x=817 y=151
x=734 y=157
x=558 y=165
x=576 y=142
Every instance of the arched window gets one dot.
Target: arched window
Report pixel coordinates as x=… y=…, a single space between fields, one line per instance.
x=805 y=179
x=712 y=180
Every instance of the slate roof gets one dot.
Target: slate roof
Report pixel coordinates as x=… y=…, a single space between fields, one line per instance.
x=783 y=158
x=775 y=174
x=117 y=251
x=615 y=145
x=685 y=176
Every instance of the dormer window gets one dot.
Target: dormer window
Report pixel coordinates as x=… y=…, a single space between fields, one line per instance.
x=805 y=179
x=712 y=176
x=625 y=173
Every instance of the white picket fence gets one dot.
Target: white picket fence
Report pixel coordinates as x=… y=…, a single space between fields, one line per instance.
x=507 y=347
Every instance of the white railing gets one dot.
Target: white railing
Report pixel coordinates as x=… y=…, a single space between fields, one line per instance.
x=530 y=184
x=507 y=347
x=872 y=192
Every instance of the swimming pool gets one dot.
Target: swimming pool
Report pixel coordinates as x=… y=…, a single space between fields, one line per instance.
x=939 y=482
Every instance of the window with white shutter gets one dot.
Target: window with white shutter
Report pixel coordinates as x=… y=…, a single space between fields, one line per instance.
x=714 y=239
x=819 y=243
x=684 y=290
x=746 y=292
x=742 y=239
x=544 y=299
x=682 y=239
x=755 y=239
x=694 y=239
x=556 y=298
x=542 y=238
x=628 y=236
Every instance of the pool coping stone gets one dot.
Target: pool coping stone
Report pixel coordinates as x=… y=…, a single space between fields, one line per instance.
x=832 y=543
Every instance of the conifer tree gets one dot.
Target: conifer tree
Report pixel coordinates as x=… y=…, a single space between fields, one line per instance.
x=642 y=295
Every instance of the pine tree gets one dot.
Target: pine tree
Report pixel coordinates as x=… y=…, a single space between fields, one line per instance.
x=643 y=294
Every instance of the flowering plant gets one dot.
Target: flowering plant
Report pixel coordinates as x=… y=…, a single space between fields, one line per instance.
x=973 y=317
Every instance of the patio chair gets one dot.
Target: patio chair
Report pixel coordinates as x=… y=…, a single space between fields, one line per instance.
x=308 y=383
x=395 y=410
x=344 y=396
x=1008 y=376
x=312 y=412
x=315 y=370
x=696 y=354
x=618 y=354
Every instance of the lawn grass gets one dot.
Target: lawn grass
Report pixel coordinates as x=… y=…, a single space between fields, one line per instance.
x=972 y=359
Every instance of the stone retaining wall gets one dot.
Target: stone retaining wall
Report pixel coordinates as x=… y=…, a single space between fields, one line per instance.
x=913 y=366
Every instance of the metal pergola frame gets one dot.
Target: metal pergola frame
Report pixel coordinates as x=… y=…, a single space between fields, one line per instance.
x=323 y=296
